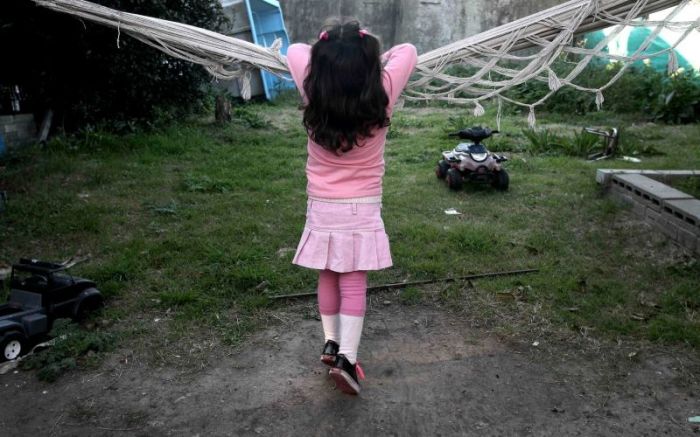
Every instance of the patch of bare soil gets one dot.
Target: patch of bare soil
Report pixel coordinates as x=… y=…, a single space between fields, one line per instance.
x=429 y=372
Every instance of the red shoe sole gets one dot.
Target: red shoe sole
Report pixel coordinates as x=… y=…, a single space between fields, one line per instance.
x=344 y=382
x=328 y=360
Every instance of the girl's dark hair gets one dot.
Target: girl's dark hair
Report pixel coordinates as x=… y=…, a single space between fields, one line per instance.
x=346 y=99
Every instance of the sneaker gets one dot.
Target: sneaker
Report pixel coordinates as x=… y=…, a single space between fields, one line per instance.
x=330 y=350
x=346 y=375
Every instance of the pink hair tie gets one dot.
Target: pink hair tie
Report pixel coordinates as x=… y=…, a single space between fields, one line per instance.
x=363 y=32
x=323 y=35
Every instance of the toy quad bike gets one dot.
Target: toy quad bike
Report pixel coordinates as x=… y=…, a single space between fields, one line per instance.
x=472 y=161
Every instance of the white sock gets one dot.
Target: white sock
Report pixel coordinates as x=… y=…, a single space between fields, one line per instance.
x=350 y=333
x=330 y=327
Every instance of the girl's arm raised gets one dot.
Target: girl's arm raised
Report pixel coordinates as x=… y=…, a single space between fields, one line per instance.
x=400 y=61
x=298 y=56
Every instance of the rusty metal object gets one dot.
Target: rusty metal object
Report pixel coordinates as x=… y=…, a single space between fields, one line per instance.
x=611 y=139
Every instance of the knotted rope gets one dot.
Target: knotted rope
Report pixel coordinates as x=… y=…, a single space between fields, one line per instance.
x=498 y=52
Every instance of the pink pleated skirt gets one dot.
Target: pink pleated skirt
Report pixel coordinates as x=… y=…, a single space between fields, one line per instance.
x=343 y=237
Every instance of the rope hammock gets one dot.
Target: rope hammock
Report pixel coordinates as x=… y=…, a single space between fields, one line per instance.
x=491 y=62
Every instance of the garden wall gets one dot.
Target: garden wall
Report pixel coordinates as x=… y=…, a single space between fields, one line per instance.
x=672 y=212
x=17 y=130
x=427 y=24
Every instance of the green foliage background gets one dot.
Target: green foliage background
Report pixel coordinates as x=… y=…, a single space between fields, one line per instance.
x=76 y=68
x=659 y=96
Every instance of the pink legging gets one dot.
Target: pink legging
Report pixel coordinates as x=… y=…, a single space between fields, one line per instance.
x=342 y=293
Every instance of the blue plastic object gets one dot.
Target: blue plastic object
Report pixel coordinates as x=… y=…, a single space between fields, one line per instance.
x=267 y=24
x=2 y=145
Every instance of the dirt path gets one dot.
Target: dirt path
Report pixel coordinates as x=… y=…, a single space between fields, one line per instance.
x=428 y=373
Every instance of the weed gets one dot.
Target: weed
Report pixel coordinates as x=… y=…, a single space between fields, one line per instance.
x=178 y=297
x=542 y=141
x=170 y=208
x=204 y=184
x=250 y=117
x=73 y=347
x=411 y=296
x=582 y=144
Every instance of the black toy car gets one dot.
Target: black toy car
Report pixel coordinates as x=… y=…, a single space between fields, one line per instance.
x=472 y=161
x=41 y=292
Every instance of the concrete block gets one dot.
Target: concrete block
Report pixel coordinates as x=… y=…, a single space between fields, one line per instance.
x=624 y=199
x=18 y=129
x=621 y=197
x=679 y=223
x=641 y=185
x=620 y=186
x=672 y=174
x=639 y=208
x=23 y=118
x=667 y=228
x=603 y=176
x=28 y=133
x=640 y=196
x=652 y=216
x=687 y=239
x=687 y=210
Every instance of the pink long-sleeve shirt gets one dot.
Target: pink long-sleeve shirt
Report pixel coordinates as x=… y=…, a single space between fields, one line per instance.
x=359 y=172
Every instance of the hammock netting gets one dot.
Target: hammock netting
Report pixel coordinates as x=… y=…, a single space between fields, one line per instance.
x=470 y=71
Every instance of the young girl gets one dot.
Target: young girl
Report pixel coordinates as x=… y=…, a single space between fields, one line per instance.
x=349 y=90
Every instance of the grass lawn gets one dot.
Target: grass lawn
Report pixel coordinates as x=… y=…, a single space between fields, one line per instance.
x=192 y=227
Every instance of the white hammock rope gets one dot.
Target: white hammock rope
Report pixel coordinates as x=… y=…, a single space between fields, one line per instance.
x=548 y=37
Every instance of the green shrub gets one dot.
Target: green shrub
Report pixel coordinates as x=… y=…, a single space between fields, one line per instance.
x=678 y=99
x=668 y=98
x=582 y=144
